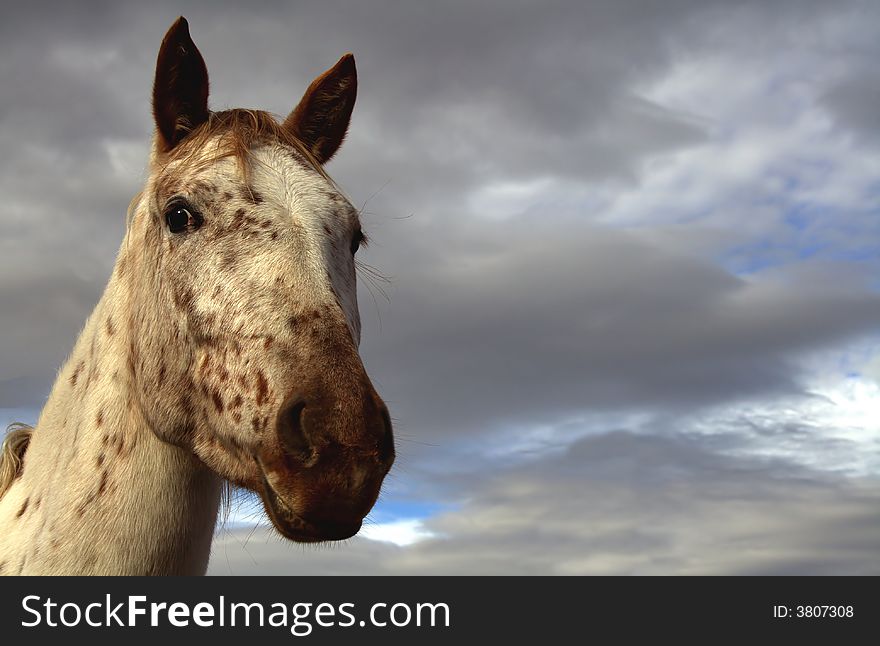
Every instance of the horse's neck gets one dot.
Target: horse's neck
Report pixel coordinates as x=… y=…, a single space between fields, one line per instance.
x=99 y=492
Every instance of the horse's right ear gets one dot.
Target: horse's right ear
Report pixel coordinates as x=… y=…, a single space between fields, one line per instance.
x=180 y=91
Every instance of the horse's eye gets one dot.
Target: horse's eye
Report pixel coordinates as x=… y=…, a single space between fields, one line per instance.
x=180 y=218
x=356 y=241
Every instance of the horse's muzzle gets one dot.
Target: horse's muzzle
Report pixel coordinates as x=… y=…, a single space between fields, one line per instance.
x=323 y=471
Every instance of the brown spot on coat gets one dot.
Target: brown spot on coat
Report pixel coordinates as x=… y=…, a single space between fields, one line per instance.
x=218 y=401
x=183 y=298
x=99 y=419
x=186 y=404
x=92 y=375
x=132 y=357
x=228 y=258
x=81 y=510
x=76 y=372
x=204 y=368
x=262 y=388
x=109 y=326
x=23 y=509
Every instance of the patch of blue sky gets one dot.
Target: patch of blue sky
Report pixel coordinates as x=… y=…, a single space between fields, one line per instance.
x=858 y=360
x=392 y=510
x=753 y=258
x=808 y=231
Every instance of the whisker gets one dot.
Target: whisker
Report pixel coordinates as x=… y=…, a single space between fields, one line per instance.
x=372 y=195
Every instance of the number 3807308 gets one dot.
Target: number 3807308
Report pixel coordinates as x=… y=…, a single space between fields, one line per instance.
x=824 y=611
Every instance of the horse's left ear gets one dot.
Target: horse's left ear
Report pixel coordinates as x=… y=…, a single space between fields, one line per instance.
x=180 y=91
x=321 y=119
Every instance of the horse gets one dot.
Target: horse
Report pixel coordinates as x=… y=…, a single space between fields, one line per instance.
x=223 y=351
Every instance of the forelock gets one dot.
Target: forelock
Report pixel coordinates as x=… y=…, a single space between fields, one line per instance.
x=234 y=133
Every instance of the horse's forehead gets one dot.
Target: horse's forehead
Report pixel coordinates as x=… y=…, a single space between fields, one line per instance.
x=273 y=171
x=275 y=166
x=283 y=176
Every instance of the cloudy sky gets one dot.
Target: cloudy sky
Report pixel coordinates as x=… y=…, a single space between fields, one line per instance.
x=631 y=322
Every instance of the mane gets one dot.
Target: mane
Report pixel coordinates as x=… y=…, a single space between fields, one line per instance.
x=12 y=454
x=237 y=131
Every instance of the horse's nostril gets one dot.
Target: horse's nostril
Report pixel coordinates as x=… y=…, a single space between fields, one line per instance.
x=290 y=430
x=386 y=442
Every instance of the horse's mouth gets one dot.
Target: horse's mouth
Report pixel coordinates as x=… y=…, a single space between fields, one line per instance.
x=294 y=527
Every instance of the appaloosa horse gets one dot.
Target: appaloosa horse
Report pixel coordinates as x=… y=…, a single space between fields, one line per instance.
x=225 y=347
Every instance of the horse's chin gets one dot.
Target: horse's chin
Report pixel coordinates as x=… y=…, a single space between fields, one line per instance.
x=294 y=527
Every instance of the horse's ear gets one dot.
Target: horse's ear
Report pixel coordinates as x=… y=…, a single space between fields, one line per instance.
x=321 y=118
x=180 y=91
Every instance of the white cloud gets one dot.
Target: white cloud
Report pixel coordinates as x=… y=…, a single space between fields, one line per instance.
x=399 y=532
